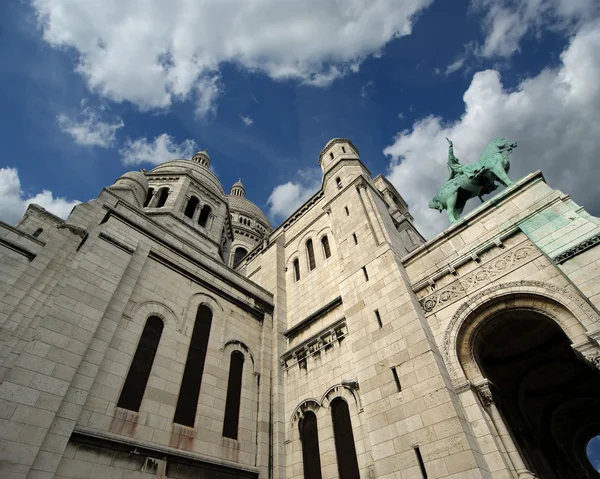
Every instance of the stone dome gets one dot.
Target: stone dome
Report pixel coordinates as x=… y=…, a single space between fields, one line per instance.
x=136 y=181
x=199 y=172
x=239 y=204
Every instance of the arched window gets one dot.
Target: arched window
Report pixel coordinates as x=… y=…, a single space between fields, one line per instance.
x=311 y=255
x=204 y=214
x=234 y=394
x=338 y=182
x=190 y=209
x=163 y=194
x=149 y=196
x=325 y=244
x=296 y=269
x=344 y=440
x=139 y=371
x=37 y=232
x=239 y=254
x=309 y=436
x=187 y=403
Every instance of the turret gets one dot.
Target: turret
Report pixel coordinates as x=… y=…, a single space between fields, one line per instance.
x=202 y=158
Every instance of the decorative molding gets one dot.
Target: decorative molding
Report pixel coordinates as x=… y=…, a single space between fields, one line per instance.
x=486 y=273
x=17 y=249
x=577 y=249
x=484 y=392
x=116 y=243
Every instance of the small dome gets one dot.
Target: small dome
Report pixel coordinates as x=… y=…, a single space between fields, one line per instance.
x=137 y=182
x=239 y=204
x=238 y=189
x=202 y=158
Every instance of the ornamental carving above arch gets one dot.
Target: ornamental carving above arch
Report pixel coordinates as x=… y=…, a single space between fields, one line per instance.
x=565 y=296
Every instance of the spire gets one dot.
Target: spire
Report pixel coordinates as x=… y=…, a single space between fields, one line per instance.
x=238 y=189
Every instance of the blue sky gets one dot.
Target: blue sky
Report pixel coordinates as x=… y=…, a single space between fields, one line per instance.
x=92 y=90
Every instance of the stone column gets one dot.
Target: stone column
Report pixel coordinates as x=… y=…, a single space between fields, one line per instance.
x=484 y=392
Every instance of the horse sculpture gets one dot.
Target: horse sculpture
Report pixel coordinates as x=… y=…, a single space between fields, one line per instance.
x=475 y=179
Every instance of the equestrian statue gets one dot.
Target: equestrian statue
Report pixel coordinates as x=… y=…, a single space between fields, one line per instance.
x=475 y=179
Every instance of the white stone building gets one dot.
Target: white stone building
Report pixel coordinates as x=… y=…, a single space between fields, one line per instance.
x=166 y=330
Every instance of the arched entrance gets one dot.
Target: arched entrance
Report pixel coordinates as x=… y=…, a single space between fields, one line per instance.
x=546 y=395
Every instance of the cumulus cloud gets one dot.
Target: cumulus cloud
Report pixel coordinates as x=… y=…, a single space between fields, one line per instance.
x=553 y=116
x=162 y=148
x=91 y=129
x=152 y=52
x=506 y=22
x=247 y=120
x=14 y=201
x=287 y=197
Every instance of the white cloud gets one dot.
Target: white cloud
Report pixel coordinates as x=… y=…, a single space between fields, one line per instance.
x=14 y=201
x=506 y=22
x=287 y=197
x=152 y=52
x=366 y=89
x=208 y=91
x=163 y=148
x=91 y=129
x=553 y=116
x=247 y=120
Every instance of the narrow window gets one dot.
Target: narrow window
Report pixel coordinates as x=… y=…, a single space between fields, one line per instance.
x=343 y=149
x=347 y=212
x=309 y=437
x=364 y=268
x=396 y=379
x=185 y=413
x=163 y=194
x=326 y=250
x=190 y=209
x=355 y=238
x=297 y=269
x=311 y=255
x=234 y=394
x=139 y=371
x=344 y=440
x=331 y=155
x=378 y=316
x=37 y=232
x=204 y=214
x=421 y=463
x=338 y=182
x=149 y=196
x=239 y=254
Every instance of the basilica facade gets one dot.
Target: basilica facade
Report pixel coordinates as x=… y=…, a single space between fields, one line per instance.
x=166 y=329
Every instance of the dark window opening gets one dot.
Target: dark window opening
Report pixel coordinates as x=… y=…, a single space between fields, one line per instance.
x=189 y=392
x=344 y=440
x=297 y=269
x=343 y=149
x=309 y=437
x=421 y=463
x=364 y=268
x=239 y=255
x=37 y=232
x=396 y=379
x=311 y=255
x=331 y=155
x=326 y=250
x=204 y=214
x=190 y=209
x=149 y=196
x=139 y=371
x=338 y=182
x=347 y=212
x=355 y=238
x=234 y=394
x=163 y=194
x=378 y=316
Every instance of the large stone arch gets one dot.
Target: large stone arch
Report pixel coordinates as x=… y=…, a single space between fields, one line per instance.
x=194 y=302
x=146 y=309
x=574 y=315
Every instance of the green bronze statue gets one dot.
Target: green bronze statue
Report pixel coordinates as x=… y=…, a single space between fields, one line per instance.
x=475 y=179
